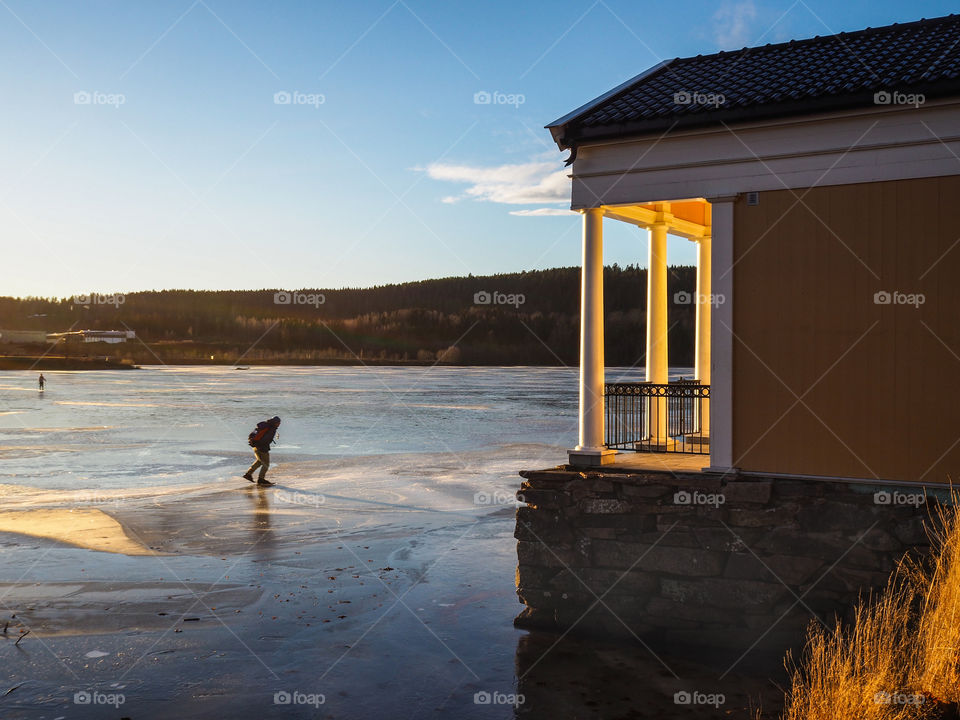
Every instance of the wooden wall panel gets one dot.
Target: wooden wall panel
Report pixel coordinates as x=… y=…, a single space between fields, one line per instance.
x=826 y=381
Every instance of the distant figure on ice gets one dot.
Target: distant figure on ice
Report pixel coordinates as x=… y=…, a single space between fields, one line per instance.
x=41 y=381
x=260 y=440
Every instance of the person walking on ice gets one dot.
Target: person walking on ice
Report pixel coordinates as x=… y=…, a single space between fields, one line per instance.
x=41 y=381
x=260 y=440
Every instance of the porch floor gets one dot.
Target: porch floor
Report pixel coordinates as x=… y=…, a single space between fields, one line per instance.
x=663 y=462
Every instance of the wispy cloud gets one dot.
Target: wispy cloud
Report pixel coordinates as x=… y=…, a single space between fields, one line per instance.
x=532 y=183
x=732 y=23
x=539 y=212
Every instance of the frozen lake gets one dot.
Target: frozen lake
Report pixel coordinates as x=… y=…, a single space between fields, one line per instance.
x=136 y=563
x=166 y=426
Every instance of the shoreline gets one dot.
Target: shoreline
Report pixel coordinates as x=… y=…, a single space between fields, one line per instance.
x=22 y=362
x=33 y=362
x=40 y=363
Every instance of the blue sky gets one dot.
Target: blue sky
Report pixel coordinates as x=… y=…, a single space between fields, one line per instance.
x=148 y=144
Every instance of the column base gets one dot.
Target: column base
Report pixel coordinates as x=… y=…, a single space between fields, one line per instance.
x=590 y=457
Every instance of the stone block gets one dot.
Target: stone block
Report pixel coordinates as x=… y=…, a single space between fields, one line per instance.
x=911 y=531
x=602 y=533
x=723 y=593
x=850 y=582
x=878 y=539
x=723 y=539
x=791 y=569
x=600 y=581
x=764 y=516
x=645 y=491
x=631 y=522
x=657 y=558
x=824 y=515
x=546 y=499
x=535 y=525
x=549 y=478
x=537 y=554
x=604 y=506
x=675 y=538
x=794 y=489
x=746 y=491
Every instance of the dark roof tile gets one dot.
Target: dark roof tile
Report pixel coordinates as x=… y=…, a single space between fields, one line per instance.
x=795 y=77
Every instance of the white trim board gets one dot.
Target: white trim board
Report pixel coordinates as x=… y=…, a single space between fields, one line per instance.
x=839 y=149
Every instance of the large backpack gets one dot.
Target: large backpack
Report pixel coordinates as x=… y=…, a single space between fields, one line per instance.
x=254 y=438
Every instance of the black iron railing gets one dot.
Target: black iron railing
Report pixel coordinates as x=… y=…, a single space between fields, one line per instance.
x=650 y=417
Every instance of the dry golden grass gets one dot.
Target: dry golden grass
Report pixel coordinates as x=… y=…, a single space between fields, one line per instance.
x=937 y=639
x=898 y=658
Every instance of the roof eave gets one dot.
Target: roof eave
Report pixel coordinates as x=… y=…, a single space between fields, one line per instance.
x=661 y=125
x=558 y=126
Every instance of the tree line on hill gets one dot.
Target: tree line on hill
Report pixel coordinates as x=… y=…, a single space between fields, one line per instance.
x=526 y=318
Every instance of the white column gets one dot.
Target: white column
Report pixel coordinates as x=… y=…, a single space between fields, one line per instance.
x=721 y=339
x=704 y=308
x=657 y=357
x=590 y=450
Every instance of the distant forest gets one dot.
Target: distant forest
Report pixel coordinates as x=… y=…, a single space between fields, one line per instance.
x=413 y=322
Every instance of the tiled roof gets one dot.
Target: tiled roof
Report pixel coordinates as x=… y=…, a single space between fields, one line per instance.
x=801 y=76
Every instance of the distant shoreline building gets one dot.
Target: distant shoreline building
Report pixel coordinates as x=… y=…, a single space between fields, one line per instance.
x=111 y=337
x=12 y=337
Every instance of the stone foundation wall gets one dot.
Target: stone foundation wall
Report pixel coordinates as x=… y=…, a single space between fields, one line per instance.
x=693 y=558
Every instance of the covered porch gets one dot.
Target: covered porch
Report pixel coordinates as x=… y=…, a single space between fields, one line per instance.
x=657 y=417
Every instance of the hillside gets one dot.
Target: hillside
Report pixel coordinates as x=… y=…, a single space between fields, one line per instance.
x=519 y=318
